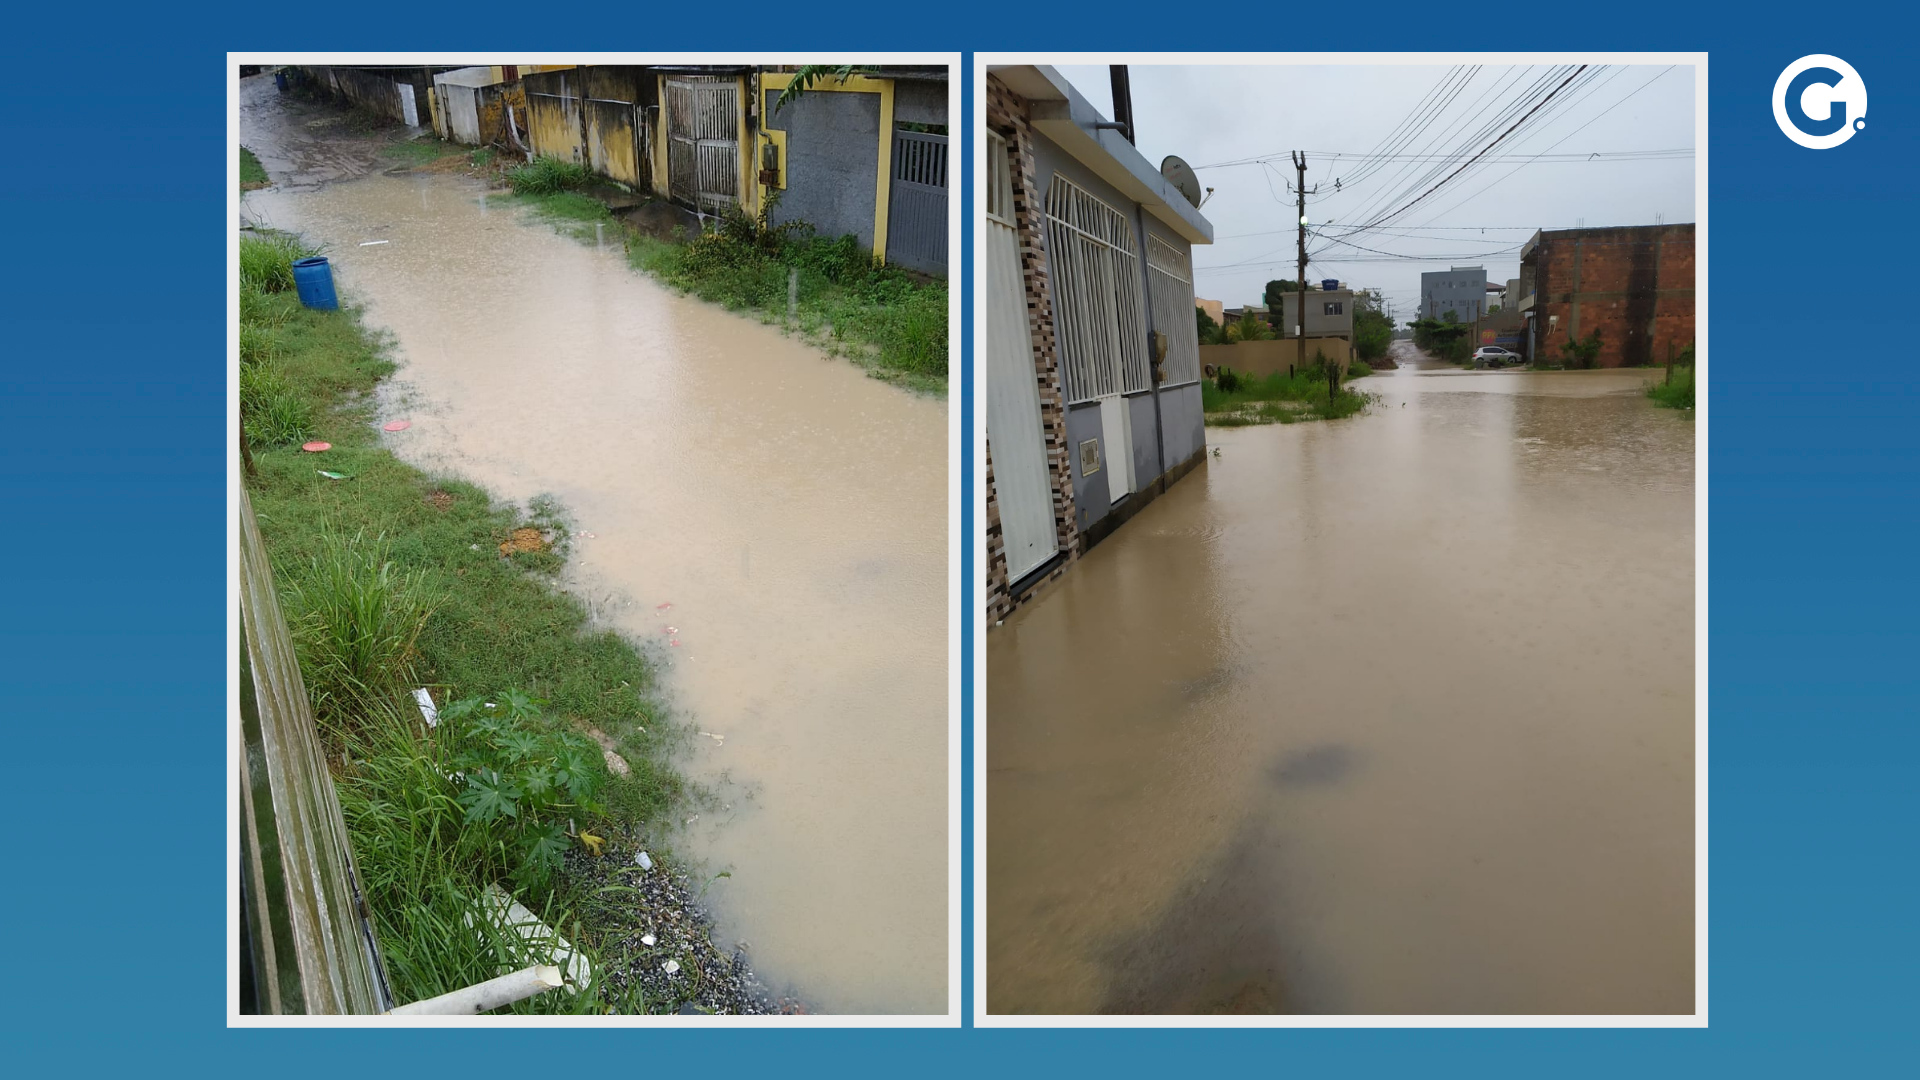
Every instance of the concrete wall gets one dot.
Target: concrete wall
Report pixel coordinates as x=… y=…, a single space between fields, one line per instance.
x=832 y=160
x=1634 y=284
x=919 y=102
x=1461 y=290
x=1263 y=358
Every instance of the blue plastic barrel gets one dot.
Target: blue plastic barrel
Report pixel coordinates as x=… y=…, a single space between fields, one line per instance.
x=314 y=278
x=280 y=81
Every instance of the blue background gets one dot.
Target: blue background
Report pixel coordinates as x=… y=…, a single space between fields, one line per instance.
x=113 y=453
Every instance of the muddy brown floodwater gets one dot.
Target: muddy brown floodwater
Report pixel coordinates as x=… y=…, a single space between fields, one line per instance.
x=1386 y=715
x=792 y=511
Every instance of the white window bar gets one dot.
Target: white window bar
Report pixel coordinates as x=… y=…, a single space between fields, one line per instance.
x=1170 y=274
x=1098 y=310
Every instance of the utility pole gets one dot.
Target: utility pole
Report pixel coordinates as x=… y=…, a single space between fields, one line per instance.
x=1300 y=284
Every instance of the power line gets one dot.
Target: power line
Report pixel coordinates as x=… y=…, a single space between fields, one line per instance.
x=1557 y=142
x=1383 y=219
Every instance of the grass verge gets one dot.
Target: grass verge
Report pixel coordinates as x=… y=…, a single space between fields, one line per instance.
x=253 y=175
x=1277 y=399
x=1677 y=394
x=890 y=323
x=393 y=578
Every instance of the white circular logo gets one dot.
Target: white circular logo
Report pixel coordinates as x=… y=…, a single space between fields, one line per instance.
x=1820 y=101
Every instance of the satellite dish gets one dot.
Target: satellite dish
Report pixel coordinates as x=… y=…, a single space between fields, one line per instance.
x=1180 y=175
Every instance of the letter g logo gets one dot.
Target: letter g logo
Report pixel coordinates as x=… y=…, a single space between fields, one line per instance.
x=1820 y=101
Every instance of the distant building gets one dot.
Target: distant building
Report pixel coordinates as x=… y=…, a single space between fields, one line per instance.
x=1329 y=314
x=1634 y=284
x=1215 y=309
x=1461 y=290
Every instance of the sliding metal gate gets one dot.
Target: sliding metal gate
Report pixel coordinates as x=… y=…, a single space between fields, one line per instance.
x=917 y=205
x=703 y=142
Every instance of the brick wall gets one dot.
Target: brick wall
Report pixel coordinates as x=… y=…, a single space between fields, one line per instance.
x=1635 y=285
x=1007 y=115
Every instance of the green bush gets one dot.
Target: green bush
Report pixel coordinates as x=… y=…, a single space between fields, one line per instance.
x=519 y=782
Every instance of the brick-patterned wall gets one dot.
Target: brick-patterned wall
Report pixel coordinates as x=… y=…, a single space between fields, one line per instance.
x=1633 y=284
x=1007 y=115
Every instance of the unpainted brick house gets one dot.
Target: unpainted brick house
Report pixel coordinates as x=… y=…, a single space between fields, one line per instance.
x=1634 y=284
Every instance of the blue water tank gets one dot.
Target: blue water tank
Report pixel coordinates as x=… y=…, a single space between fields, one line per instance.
x=314 y=278
x=1330 y=284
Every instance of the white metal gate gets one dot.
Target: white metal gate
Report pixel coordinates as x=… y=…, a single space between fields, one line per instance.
x=1100 y=317
x=703 y=141
x=1014 y=426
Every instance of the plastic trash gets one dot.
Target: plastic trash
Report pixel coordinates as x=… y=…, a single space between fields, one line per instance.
x=644 y=861
x=397 y=425
x=647 y=939
x=675 y=642
x=671 y=967
x=334 y=475
x=316 y=446
x=669 y=629
x=370 y=243
x=664 y=608
x=427 y=710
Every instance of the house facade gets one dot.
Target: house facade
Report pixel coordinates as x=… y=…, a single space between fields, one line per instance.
x=1091 y=354
x=863 y=155
x=1633 y=284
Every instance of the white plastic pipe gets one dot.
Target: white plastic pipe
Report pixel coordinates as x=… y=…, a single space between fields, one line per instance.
x=489 y=995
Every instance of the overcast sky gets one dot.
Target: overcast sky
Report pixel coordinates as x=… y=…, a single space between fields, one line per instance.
x=1211 y=115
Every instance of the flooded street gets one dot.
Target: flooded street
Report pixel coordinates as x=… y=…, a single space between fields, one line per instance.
x=790 y=510
x=1386 y=715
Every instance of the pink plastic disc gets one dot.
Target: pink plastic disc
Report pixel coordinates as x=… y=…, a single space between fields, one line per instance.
x=316 y=447
x=399 y=425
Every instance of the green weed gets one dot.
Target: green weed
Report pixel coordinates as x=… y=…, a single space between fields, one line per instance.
x=1677 y=394
x=266 y=261
x=547 y=176
x=356 y=619
x=1233 y=400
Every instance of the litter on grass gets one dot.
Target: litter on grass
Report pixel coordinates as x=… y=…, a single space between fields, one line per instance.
x=643 y=861
x=316 y=446
x=431 y=714
x=398 y=425
x=334 y=475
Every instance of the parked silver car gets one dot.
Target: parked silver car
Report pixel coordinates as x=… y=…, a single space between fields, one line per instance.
x=1495 y=356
